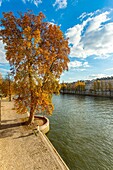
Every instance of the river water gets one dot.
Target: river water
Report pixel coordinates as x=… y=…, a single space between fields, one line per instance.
x=82 y=131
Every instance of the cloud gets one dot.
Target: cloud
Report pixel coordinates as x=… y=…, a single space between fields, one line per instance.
x=78 y=65
x=109 y=69
x=4 y=71
x=75 y=64
x=93 y=37
x=85 y=64
x=94 y=76
x=36 y=2
x=74 y=2
x=60 y=4
x=84 y=14
x=1 y=1
x=2 y=53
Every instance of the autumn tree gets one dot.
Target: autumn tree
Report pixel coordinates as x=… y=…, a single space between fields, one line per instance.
x=0 y=95
x=6 y=87
x=0 y=83
x=106 y=86
x=98 y=84
x=102 y=86
x=95 y=86
x=0 y=78
x=63 y=86
x=38 y=54
x=80 y=86
x=109 y=86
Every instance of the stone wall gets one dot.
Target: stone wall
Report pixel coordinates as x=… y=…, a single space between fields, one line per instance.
x=87 y=93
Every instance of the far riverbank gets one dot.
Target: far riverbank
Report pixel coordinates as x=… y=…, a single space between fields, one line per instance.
x=87 y=93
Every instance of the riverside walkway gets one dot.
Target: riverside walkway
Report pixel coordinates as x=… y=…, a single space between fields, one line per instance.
x=21 y=148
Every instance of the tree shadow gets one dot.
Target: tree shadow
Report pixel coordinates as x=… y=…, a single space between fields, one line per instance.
x=7 y=133
x=8 y=130
x=5 y=121
x=8 y=126
x=23 y=136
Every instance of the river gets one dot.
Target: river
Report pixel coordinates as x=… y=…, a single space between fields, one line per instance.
x=81 y=129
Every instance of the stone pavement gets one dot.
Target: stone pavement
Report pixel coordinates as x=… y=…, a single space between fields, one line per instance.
x=21 y=148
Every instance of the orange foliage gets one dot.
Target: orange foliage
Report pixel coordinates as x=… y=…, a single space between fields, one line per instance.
x=0 y=78
x=38 y=54
x=80 y=86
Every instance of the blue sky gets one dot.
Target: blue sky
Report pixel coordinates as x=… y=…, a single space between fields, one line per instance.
x=87 y=23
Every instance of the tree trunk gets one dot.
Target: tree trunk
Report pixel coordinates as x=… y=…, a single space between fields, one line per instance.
x=31 y=117
x=32 y=110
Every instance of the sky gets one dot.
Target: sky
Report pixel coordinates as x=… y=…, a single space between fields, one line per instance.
x=87 y=23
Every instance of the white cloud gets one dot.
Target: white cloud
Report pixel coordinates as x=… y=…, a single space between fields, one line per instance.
x=84 y=14
x=60 y=4
x=51 y=23
x=94 y=36
x=36 y=2
x=85 y=64
x=53 y=20
x=4 y=71
x=109 y=69
x=2 y=53
x=94 y=76
x=74 y=64
x=78 y=65
x=1 y=1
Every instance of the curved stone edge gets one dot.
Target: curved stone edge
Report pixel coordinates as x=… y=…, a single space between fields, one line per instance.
x=54 y=152
x=44 y=128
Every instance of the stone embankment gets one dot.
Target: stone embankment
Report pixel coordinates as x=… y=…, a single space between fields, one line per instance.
x=87 y=93
x=21 y=148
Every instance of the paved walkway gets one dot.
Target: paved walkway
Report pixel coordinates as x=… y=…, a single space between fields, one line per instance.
x=21 y=149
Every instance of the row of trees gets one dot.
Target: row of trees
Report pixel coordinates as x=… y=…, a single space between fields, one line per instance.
x=102 y=86
x=38 y=54
x=79 y=86
x=7 y=87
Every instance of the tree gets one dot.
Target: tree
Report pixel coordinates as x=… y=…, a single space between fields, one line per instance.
x=7 y=87
x=0 y=78
x=80 y=86
x=38 y=54
x=0 y=84
x=63 y=86
x=102 y=85
x=109 y=86
x=106 y=86
x=98 y=84
x=4 y=87
x=0 y=95
x=83 y=86
x=95 y=86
